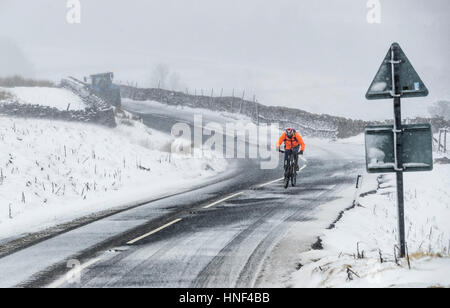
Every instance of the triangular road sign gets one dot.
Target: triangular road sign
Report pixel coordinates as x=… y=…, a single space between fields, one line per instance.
x=409 y=82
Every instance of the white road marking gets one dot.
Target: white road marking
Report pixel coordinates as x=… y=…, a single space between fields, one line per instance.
x=271 y=182
x=223 y=200
x=154 y=231
x=72 y=273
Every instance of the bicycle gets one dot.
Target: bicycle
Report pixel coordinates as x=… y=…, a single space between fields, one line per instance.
x=290 y=171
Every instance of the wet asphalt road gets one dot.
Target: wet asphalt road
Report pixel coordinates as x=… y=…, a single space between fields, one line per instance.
x=210 y=244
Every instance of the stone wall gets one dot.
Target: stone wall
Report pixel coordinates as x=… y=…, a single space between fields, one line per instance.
x=89 y=115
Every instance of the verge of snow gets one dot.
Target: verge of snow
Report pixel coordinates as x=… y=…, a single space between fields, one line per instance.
x=359 y=139
x=370 y=230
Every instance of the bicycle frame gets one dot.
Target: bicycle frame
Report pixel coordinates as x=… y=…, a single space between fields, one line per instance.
x=290 y=173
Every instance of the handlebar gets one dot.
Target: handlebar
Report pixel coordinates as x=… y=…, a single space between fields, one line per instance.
x=281 y=151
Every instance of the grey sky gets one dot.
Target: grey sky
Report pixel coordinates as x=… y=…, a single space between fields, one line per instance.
x=316 y=55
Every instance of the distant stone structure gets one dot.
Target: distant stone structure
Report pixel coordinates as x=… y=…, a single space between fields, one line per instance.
x=96 y=112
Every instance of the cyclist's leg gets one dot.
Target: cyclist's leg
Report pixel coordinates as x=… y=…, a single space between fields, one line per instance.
x=287 y=153
x=295 y=151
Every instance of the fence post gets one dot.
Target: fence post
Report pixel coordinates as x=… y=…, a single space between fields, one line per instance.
x=359 y=183
x=445 y=141
x=242 y=101
x=211 y=100
x=257 y=113
x=232 y=101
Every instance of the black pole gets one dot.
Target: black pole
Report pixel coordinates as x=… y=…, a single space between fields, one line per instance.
x=400 y=196
x=399 y=150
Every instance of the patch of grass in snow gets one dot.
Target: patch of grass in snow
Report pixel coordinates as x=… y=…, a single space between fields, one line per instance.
x=420 y=255
x=5 y=96
x=19 y=81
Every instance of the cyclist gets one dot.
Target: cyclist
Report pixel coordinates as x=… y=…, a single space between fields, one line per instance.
x=292 y=143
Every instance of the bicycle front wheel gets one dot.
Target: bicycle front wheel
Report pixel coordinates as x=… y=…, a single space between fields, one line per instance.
x=286 y=180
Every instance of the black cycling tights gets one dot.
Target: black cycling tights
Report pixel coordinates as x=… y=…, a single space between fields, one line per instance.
x=293 y=151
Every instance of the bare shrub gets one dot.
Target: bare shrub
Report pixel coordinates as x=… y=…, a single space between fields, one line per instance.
x=440 y=109
x=19 y=81
x=126 y=122
x=5 y=96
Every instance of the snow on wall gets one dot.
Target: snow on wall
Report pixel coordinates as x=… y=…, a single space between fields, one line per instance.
x=60 y=99
x=52 y=103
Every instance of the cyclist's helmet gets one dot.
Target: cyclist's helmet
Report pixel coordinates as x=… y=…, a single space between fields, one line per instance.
x=290 y=133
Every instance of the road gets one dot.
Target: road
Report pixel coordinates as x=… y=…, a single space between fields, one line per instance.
x=217 y=235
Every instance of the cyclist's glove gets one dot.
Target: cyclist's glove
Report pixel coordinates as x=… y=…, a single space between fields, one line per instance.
x=301 y=152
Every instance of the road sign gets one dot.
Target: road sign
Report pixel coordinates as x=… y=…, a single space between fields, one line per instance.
x=409 y=83
x=417 y=154
x=401 y=147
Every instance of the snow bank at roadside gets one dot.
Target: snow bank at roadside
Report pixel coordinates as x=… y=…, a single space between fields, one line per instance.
x=60 y=99
x=370 y=231
x=359 y=139
x=52 y=172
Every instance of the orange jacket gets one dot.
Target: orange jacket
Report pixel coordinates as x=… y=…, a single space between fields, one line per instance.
x=291 y=143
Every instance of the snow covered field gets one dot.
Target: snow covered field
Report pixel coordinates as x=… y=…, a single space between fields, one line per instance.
x=359 y=251
x=52 y=172
x=60 y=99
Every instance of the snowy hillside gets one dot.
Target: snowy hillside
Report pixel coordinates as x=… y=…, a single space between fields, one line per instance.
x=359 y=251
x=51 y=171
x=58 y=98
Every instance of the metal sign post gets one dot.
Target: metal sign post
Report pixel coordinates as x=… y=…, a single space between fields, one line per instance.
x=400 y=194
x=398 y=151
x=396 y=78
